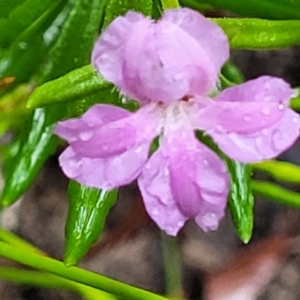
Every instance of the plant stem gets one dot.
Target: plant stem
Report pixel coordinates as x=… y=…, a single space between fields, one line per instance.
x=170 y=4
x=275 y=192
x=172 y=266
x=12 y=239
x=76 y=274
x=41 y=279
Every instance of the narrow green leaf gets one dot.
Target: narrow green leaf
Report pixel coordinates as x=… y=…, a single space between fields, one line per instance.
x=35 y=145
x=241 y=200
x=74 y=46
x=6 y=7
x=117 y=8
x=28 y=51
x=276 y=193
x=20 y=18
x=268 y=9
x=88 y=210
x=75 y=85
x=279 y=170
x=259 y=34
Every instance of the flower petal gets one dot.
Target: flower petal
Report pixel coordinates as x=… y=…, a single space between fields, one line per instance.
x=262 y=89
x=211 y=37
x=246 y=108
x=265 y=144
x=168 y=63
x=111 y=130
x=108 y=53
x=104 y=173
x=81 y=128
x=154 y=184
x=184 y=179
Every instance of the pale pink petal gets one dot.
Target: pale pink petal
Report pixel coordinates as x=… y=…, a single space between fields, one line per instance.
x=211 y=37
x=108 y=53
x=160 y=61
x=81 y=128
x=154 y=184
x=105 y=131
x=261 y=89
x=199 y=181
x=265 y=144
x=238 y=117
x=184 y=180
x=105 y=173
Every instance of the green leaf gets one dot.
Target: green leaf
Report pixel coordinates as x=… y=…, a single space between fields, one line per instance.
x=117 y=8
x=75 y=85
x=259 y=34
x=21 y=18
x=88 y=210
x=28 y=51
x=276 y=193
x=268 y=9
x=37 y=141
x=241 y=200
x=35 y=145
x=74 y=46
x=279 y=170
x=6 y=7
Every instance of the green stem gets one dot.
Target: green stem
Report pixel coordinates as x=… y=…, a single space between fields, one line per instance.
x=274 y=192
x=12 y=239
x=41 y=279
x=76 y=274
x=172 y=266
x=170 y=4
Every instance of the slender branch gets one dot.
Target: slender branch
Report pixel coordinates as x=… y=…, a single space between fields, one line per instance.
x=41 y=279
x=12 y=239
x=76 y=274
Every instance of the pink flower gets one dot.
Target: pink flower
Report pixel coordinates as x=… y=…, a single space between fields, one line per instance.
x=170 y=67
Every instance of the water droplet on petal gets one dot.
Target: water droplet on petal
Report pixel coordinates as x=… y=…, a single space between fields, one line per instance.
x=295 y=120
x=210 y=220
x=205 y=162
x=264 y=132
x=277 y=139
x=266 y=111
x=281 y=106
x=85 y=135
x=180 y=223
x=246 y=118
x=166 y=171
x=155 y=211
x=220 y=128
x=74 y=168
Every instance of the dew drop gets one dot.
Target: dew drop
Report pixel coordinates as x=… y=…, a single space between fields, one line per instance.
x=210 y=220
x=205 y=162
x=85 y=135
x=166 y=171
x=266 y=111
x=277 y=140
x=295 y=120
x=180 y=223
x=220 y=128
x=246 y=118
x=264 y=132
x=281 y=106
x=155 y=211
